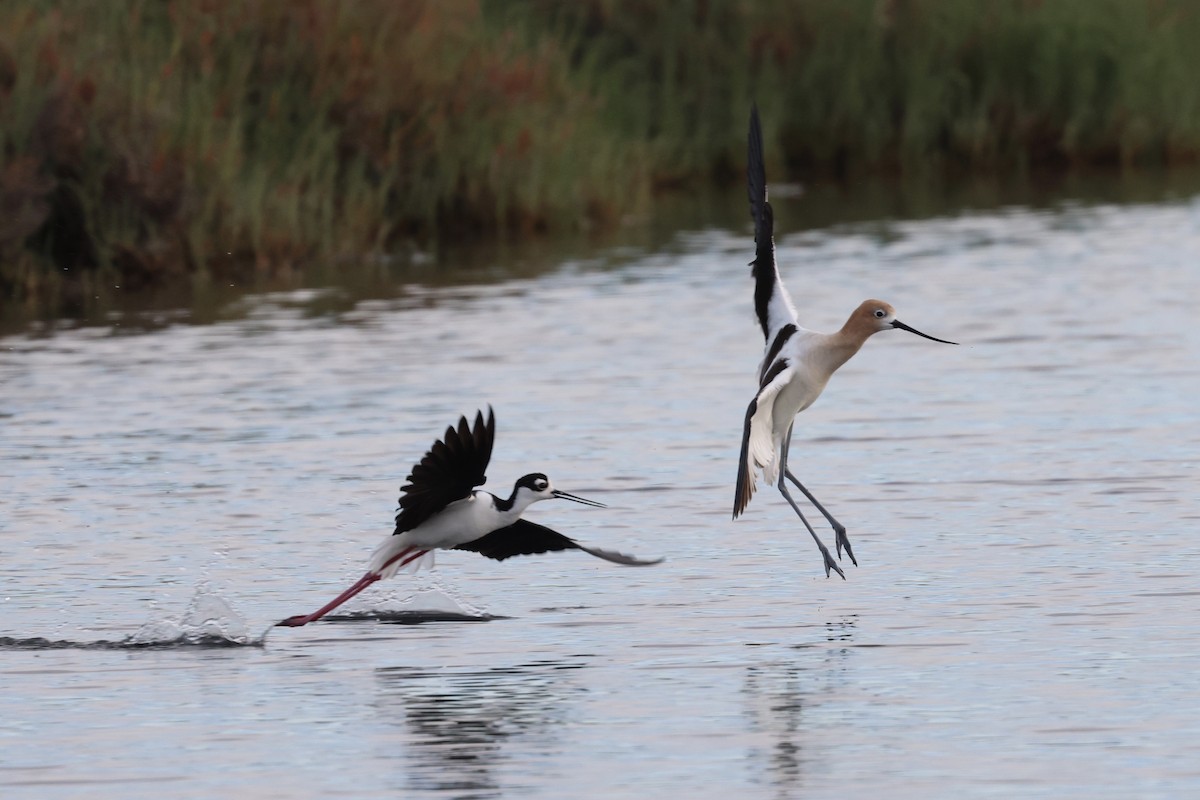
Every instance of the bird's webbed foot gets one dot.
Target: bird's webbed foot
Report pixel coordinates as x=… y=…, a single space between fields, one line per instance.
x=830 y=563
x=843 y=542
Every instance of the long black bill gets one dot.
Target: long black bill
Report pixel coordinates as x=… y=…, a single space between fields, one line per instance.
x=898 y=324
x=566 y=496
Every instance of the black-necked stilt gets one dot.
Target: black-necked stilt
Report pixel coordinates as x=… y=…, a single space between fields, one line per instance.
x=440 y=509
x=797 y=363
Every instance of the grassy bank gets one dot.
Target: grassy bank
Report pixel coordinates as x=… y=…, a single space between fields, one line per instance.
x=148 y=142
x=850 y=85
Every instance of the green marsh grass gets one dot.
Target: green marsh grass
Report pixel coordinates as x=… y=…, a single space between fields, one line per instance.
x=148 y=142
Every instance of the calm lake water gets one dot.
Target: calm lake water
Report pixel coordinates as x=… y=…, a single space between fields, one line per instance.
x=1023 y=507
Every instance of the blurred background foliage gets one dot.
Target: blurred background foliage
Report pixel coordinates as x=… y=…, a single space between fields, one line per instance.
x=149 y=141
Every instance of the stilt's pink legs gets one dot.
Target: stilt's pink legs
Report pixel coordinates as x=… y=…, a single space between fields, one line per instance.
x=303 y=619
x=413 y=557
x=362 y=583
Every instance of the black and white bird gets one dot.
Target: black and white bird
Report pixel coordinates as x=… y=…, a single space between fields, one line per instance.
x=440 y=509
x=796 y=365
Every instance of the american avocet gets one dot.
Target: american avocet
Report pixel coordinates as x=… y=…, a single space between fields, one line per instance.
x=440 y=509
x=796 y=365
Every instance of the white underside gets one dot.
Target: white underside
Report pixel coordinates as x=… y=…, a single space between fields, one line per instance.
x=389 y=549
x=462 y=521
x=791 y=391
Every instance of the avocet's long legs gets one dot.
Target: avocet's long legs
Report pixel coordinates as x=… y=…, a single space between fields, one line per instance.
x=783 y=474
x=797 y=362
x=838 y=528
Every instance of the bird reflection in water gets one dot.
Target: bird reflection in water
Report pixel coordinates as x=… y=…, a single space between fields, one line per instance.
x=463 y=726
x=777 y=694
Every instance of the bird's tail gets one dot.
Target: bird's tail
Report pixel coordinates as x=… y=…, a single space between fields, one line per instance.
x=394 y=554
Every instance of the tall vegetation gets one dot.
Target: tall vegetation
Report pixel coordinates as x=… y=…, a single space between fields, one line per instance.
x=150 y=141
x=887 y=84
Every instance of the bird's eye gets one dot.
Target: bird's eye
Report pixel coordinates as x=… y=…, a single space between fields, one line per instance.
x=541 y=484
x=880 y=313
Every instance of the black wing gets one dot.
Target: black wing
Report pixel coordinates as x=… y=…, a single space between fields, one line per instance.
x=524 y=538
x=452 y=468
x=756 y=180
x=744 y=489
x=763 y=265
x=767 y=392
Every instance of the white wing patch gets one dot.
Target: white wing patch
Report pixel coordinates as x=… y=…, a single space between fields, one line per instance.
x=780 y=310
x=763 y=447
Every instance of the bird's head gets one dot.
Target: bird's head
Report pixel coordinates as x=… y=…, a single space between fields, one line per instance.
x=536 y=486
x=873 y=316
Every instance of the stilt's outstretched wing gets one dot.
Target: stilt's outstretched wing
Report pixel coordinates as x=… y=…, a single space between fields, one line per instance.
x=758 y=443
x=771 y=301
x=527 y=538
x=450 y=471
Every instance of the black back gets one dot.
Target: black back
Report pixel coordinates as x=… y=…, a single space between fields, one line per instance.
x=781 y=338
x=450 y=471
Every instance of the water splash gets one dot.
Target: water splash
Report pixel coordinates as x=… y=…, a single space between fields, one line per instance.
x=208 y=620
x=434 y=603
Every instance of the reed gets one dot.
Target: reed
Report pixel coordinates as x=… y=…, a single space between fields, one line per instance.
x=888 y=84
x=149 y=142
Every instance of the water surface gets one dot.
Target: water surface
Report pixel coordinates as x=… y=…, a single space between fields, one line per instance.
x=1023 y=509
